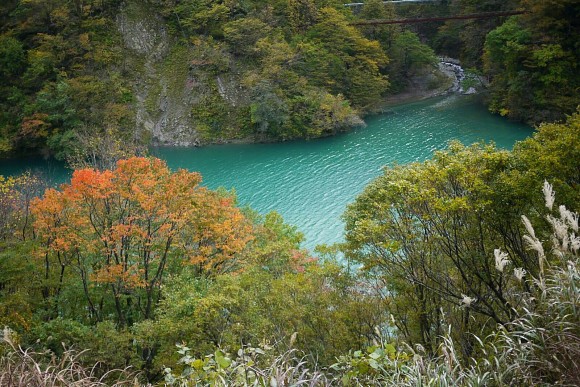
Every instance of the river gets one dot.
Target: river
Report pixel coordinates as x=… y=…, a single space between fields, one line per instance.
x=311 y=182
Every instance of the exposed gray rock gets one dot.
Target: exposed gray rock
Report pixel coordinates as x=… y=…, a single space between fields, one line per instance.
x=145 y=35
x=163 y=101
x=470 y=91
x=454 y=71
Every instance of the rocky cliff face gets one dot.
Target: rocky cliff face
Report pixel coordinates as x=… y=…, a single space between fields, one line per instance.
x=163 y=88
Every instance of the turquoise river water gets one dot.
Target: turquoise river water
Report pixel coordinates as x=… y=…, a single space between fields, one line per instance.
x=311 y=182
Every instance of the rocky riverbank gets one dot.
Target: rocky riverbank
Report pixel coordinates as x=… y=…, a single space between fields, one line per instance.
x=447 y=78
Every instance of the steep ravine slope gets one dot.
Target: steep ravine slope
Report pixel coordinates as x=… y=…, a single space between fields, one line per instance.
x=196 y=89
x=162 y=95
x=177 y=82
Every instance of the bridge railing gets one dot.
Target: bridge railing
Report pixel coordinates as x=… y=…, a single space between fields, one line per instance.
x=391 y=2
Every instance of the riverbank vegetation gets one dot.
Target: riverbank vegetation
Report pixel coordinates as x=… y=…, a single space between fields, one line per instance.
x=142 y=267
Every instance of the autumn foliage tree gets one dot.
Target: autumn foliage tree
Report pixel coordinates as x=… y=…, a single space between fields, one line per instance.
x=117 y=234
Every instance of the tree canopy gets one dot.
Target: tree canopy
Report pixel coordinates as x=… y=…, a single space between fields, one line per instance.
x=433 y=233
x=118 y=233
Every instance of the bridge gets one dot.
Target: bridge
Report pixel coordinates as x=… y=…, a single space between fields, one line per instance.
x=391 y=2
x=481 y=15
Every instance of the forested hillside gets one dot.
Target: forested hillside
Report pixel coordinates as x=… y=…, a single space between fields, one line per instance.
x=182 y=72
x=107 y=76
x=530 y=60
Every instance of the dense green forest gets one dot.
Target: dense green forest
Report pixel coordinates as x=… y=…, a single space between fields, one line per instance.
x=277 y=70
x=80 y=78
x=459 y=270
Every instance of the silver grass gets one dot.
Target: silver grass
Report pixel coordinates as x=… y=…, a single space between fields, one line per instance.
x=549 y=195
x=575 y=243
x=26 y=368
x=529 y=227
x=501 y=260
x=467 y=301
x=560 y=228
x=569 y=217
x=535 y=244
x=519 y=273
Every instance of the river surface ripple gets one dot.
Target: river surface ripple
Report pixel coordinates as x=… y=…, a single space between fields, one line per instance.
x=311 y=182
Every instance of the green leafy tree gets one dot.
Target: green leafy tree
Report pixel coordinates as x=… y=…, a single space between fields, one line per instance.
x=385 y=33
x=242 y=34
x=361 y=79
x=18 y=294
x=269 y=110
x=12 y=58
x=302 y=14
x=198 y=16
x=425 y=229
x=549 y=155
x=433 y=233
x=409 y=57
x=532 y=61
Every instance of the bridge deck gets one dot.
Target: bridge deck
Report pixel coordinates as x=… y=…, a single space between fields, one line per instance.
x=442 y=18
x=392 y=1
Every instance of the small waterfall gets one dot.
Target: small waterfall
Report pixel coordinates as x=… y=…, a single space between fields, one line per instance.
x=452 y=68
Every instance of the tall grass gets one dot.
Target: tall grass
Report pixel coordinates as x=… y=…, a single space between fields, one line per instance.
x=250 y=367
x=27 y=368
x=541 y=346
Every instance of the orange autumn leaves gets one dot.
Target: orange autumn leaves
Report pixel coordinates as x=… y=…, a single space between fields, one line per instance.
x=127 y=227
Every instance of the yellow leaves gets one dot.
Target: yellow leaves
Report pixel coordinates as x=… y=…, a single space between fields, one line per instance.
x=197 y=260
x=166 y=229
x=15 y=312
x=6 y=184
x=35 y=126
x=60 y=16
x=15 y=196
x=130 y=277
